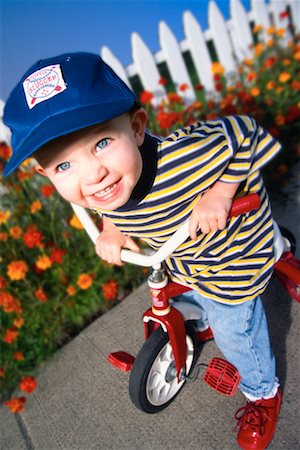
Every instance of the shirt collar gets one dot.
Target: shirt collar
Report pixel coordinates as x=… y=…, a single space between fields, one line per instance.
x=149 y=157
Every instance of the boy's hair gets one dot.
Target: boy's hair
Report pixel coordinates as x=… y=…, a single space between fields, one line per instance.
x=60 y=95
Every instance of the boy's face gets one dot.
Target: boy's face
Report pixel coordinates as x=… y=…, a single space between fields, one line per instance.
x=97 y=167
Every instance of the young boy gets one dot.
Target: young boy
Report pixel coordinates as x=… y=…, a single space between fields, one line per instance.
x=88 y=134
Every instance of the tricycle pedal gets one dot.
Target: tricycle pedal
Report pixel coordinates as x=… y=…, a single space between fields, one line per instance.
x=122 y=360
x=222 y=376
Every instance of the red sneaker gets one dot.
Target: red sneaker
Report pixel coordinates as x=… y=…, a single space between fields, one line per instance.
x=257 y=422
x=203 y=336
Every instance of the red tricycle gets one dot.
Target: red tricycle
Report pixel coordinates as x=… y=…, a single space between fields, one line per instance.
x=171 y=349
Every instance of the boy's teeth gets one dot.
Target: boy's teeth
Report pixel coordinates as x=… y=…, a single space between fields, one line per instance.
x=105 y=191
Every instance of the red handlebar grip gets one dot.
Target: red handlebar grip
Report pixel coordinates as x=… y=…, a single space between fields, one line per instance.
x=244 y=204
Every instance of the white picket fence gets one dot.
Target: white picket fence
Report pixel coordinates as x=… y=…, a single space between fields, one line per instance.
x=231 y=39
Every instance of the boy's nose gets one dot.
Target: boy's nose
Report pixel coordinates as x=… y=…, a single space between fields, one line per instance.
x=93 y=173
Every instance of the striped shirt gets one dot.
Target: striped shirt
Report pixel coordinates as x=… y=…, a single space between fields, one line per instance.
x=231 y=265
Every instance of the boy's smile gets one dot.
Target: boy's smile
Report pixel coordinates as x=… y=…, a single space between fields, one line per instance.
x=97 y=167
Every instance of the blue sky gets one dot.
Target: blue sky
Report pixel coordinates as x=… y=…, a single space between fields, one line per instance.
x=33 y=30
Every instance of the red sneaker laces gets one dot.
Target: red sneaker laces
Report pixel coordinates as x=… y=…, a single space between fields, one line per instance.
x=254 y=416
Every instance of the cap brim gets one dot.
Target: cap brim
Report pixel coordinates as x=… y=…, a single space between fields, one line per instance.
x=65 y=123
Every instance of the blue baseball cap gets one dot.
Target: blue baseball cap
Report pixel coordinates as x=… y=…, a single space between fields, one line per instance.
x=60 y=95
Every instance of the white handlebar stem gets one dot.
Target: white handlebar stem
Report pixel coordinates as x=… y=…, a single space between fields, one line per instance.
x=131 y=257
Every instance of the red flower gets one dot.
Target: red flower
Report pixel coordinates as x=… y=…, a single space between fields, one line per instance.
x=284 y=15
x=174 y=98
x=5 y=150
x=41 y=295
x=292 y=114
x=269 y=62
x=146 y=97
x=28 y=384
x=163 y=81
x=56 y=255
x=33 y=237
x=199 y=87
x=167 y=120
x=219 y=87
x=110 y=289
x=10 y=336
x=47 y=190
x=183 y=87
x=16 y=404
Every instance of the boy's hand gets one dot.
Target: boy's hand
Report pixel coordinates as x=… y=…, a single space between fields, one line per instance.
x=110 y=243
x=211 y=211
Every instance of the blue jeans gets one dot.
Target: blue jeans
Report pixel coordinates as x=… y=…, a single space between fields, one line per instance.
x=241 y=333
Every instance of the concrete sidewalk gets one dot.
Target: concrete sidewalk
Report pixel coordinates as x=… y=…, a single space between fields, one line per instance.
x=82 y=402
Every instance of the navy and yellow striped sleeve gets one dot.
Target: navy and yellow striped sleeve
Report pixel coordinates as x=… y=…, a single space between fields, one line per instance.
x=251 y=148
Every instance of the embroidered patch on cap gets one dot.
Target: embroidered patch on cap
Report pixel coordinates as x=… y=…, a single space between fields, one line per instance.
x=43 y=84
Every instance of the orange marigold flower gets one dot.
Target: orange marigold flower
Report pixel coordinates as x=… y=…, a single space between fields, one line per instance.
x=9 y=303
x=257 y=28
x=4 y=215
x=71 y=290
x=255 y=91
x=84 y=281
x=251 y=76
x=5 y=151
x=11 y=334
x=75 y=223
x=110 y=290
x=271 y=30
x=174 y=98
x=18 y=322
x=270 y=85
x=47 y=190
x=284 y=77
x=217 y=68
x=286 y=62
x=3 y=236
x=43 y=262
x=248 y=62
x=279 y=119
x=259 y=48
x=16 y=404
x=2 y=372
x=33 y=237
x=18 y=356
x=35 y=206
x=183 y=87
x=297 y=55
x=28 y=384
x=16 y=232
x=280 y=32
x=146 y=97
x=41 y=295
x=16 y=270
x=270 y=43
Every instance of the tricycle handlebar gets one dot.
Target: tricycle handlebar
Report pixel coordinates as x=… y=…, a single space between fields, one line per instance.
x=240 y=205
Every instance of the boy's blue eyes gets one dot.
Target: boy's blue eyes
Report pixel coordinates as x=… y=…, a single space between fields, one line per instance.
x=100 y=145
x=63 y=166
x=103 y=143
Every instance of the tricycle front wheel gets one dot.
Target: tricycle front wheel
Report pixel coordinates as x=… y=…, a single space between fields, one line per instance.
x=153 y=383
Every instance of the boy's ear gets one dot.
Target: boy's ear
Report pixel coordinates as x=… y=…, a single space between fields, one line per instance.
x=39 y=169
x=138 y=122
